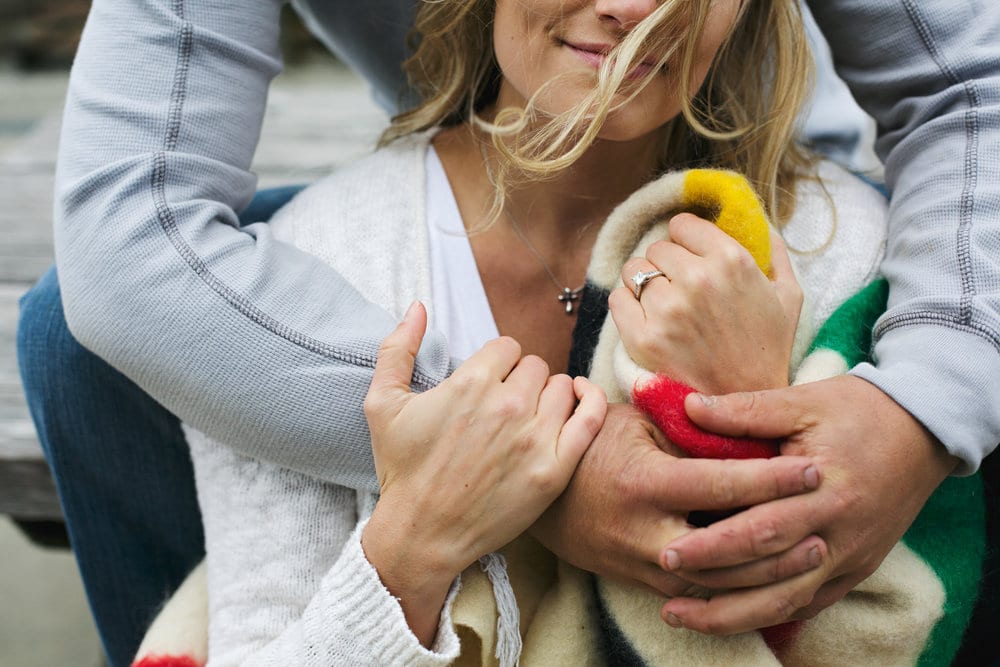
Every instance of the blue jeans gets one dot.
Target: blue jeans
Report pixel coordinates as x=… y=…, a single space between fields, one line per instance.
x=120 y=464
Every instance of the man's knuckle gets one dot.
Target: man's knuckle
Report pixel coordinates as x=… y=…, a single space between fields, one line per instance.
x=764 y=535
x=784 y=607
x=713 y=626
x=787 y=605
x=723 y=490
x=626 y=485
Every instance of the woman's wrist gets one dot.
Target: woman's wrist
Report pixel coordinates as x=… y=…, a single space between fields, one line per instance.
x=415 y=571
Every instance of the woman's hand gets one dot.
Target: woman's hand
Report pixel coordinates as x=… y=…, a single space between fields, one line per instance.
x=714 y=321
x=465 y=467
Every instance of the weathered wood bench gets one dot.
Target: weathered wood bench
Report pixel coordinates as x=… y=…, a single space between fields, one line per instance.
x=318 y=116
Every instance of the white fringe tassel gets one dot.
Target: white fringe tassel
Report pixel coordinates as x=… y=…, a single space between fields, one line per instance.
x=508 y=615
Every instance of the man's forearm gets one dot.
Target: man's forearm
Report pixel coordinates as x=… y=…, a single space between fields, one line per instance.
x=929 y=72
x=249 y=340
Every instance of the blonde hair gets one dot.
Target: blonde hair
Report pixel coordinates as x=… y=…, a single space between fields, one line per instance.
x=743 y=116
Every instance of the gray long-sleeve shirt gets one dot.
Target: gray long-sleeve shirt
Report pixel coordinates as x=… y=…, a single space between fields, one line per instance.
x=256 y=343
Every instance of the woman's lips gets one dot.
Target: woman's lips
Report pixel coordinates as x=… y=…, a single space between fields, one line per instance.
x=595 y=55
x=592 y=54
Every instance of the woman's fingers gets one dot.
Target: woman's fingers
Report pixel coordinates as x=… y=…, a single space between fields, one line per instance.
x=673 y=259
x=786 y=285
x=394 y=366
x=697 y=235
x=582 y=426
x=493 y=362
x=523 y=387
x=556 y=404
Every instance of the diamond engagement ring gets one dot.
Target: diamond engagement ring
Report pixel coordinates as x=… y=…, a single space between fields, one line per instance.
x=640 y=279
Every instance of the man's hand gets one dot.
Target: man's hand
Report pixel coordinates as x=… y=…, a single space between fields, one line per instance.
x=879 y=467
x=629 y=497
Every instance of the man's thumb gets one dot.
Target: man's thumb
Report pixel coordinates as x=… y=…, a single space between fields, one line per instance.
x=396 y=355
x=751 y=414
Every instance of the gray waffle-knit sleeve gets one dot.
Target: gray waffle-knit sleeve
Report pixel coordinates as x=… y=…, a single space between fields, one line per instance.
x=246 y=338
x=929 y=73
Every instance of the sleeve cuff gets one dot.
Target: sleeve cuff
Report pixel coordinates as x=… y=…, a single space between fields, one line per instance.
x=377 y=619
x=949 y=380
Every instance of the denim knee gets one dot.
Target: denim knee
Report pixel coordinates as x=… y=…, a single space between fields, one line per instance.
x=45 y=349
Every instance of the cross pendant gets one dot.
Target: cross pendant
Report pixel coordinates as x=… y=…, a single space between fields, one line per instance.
x=568 y=296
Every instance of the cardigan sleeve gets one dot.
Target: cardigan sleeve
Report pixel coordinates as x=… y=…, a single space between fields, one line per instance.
x=352 y=620
x=287 y=580
x=928 y=73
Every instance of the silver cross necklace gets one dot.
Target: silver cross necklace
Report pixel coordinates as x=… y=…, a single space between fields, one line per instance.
x=566 y=295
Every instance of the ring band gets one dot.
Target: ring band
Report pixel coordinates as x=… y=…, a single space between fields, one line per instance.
x=640 y=279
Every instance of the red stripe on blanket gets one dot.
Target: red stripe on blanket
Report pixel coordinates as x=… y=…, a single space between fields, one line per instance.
x=168 y=661
x=663 y=400
x=778 y=636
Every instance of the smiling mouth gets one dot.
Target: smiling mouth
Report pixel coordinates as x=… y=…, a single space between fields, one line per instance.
x=595 y=55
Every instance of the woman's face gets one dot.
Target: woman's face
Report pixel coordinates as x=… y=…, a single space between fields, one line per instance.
x=565 y=41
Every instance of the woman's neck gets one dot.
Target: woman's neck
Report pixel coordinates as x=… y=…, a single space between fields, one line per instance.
x=540 y=245
x=578 y=198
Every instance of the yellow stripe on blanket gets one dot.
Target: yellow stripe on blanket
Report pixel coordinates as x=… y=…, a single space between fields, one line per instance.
x=739 y=212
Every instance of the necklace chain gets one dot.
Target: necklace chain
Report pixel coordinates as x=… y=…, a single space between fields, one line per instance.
x=566 y=295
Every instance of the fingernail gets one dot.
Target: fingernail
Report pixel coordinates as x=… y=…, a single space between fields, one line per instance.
x=707 y=400
x=811 y=476
x=673 y=621
x=673 y=559
x=814 y=557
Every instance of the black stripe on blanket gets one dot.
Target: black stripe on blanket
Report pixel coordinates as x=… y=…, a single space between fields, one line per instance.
x=616 y=650
x=592 y=311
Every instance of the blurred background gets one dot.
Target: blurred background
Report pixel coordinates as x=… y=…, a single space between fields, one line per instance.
x=318 y=116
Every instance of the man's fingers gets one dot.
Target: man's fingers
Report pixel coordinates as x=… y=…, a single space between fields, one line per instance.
x=766 y=414
x=745 y=609
x=759 y=532
x=394 y=366
x=658 y=581
x=804 y=556
x=829 y=593
x=709 y=484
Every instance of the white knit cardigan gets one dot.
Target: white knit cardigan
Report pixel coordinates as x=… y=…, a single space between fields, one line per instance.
x=288 y=583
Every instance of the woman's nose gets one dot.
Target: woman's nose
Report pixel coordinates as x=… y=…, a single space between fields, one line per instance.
x=626 y=13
